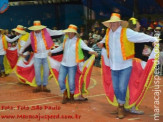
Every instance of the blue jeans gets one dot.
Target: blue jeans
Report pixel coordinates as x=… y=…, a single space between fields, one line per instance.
x=38 y=62
x=63 y=71
x=120 y=80
x=2 y=69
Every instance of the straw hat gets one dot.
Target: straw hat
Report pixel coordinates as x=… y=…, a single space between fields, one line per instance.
x=19 y=29
x=36 y=26
x=115 y=17
x=71 y=28
x=149 y=28
x=158 y=28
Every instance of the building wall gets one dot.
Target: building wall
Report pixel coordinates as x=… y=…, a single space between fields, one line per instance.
x=51 y=15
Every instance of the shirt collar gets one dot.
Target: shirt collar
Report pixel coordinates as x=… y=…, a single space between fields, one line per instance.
x=73 y=38
x=118 y=29
x=37 y=33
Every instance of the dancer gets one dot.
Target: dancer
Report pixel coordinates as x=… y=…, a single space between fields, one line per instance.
x=41 y=43
x=119 y=43
x=73 y=55
x=3 y=47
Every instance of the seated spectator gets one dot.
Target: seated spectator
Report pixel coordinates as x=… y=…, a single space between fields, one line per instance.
x=98 y=58
x=149 y=31
x=91 y=42
x=96 y=36
x=102 y=33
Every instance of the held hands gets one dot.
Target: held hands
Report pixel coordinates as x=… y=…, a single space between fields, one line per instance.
x=95 y=53
x=100 y=45
x=22 y=55
x=49 y=54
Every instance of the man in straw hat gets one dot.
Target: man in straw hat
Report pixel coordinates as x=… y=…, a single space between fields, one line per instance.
x=41 y=43
x=3 y=47
x=19 y=30
x=119 y=43
x=73 y=55
x=150 y=31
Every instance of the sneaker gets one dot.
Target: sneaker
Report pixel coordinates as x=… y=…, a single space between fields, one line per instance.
x=81 y=98
x=137 y=112
x=134 y=111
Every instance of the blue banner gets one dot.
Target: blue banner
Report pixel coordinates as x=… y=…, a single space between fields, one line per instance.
x=104 y=8
x=3 y=6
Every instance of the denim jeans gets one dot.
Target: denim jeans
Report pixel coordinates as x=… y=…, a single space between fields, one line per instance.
x=120 y=80
x=2 y=69
x=38 y=62
x=63 y=71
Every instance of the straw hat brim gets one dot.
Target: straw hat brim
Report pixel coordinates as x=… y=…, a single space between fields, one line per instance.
x=70 y=31
x=123 y=23
x=157 y=28
x=35 y=28
x=19 y=31
x=107 y=23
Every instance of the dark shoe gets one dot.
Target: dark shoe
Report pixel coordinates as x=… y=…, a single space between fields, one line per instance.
x=6 y=75
x=3 y=74
x=65 y=100
x=38 y=89
x=72 y=98
x=45 y=89
x=121 y=112
x=116 y=111
x=65 y=97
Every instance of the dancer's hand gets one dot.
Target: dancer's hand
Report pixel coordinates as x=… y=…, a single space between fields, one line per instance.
x=95 y=53
x=49 y=54
x=22 y=55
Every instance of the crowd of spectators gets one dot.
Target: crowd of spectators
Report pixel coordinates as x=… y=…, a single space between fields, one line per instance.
x=95 y=33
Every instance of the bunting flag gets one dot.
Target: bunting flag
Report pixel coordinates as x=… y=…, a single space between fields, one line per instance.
x=3 y=6
x=140 y=79
x=10 y=59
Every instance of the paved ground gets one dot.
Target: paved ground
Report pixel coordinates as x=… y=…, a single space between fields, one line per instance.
x=18 y=102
